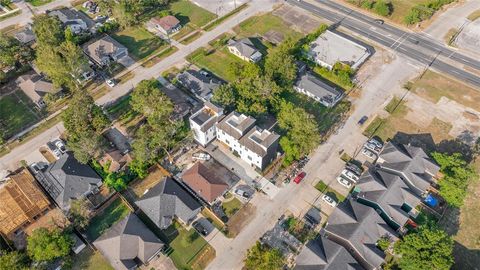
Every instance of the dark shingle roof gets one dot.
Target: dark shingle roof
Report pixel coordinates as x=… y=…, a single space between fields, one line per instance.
x=67 y=179
x=258 y=140
x=167 y=200
x=127 y=241
x=198 y=83
x=323 y=254
x=245 y=46
x=412 y=163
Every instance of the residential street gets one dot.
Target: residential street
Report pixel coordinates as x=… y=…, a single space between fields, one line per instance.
x=26 y=15
x=28 y=150
x=325 y=159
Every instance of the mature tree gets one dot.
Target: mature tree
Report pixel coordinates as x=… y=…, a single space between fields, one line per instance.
x=301 y=131
x=48 y=30
x=13 y=53
x=47 y=245
x=458 y=174
x=84 y=122
x=225 y=95
x=127 y=12
x=80 y=212
x=138 y=168
x=428 y=248
x=244 y=70
x=382 y=7
x=14 y=260
x=280 y=63
x=261 y=257
x=256 y=95
x=148 y=99
x=115 y=181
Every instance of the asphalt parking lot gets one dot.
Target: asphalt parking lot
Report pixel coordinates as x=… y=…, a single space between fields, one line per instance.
x=221 y=7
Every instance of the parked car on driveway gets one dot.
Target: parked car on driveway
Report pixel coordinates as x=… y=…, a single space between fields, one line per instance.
x=372 y=147
x=242 y=193
x=369 y=153
x=354 y=168
x=201 y=156
x=329 y=200
x=199 y=228
x=376 y=142
x=299 y=177
x=362 y=120
x=110 y=82
x=344 y=182
x=349 y=175
x=60 y=146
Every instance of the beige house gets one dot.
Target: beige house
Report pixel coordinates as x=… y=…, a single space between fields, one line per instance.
x=245 y=49
x=105 y=50
x=36 y=87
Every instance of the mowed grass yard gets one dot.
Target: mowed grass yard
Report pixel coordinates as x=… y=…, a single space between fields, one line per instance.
x=218 y=62
x=108 y=217
x=90 y=260
x=139 y=41
x=231 y=206
x=259 y=25
x=432 y=86
x=189 y=249
x=188 y=12
x=17 y=112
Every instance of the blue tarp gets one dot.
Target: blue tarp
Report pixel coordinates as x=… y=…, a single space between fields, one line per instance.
x=431 y=201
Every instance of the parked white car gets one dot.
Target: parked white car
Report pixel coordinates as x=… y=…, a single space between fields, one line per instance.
x=201 y=156
x=344 y=182
x=376 y=143
x=349 y=175
x=369 y=153
x=60 y=146
x=329 y=200
x=110 y=82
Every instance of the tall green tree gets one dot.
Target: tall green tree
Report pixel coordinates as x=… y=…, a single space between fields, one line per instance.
x=255 y=96
x=457 y=175
x=261 y=257
x=84 y=122
x=13 y=53
x=225 y=95
x=428 y=248
x=80 y=212
x=47 y=245
x=280 y=63
x=14 y=260
x=48 y=30
x=301 y=129
x=149 y=100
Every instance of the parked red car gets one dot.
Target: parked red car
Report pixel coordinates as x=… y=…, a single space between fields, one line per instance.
x=299 y=177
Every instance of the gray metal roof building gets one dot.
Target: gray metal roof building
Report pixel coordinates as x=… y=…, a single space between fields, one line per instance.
x=310 y=85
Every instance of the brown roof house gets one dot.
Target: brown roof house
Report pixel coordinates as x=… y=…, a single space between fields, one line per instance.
x=115 y=160
x=22 y=202
x=203 y=181
x=167 y=25
x=129 y=244
x=36 y=87
x=105 y=50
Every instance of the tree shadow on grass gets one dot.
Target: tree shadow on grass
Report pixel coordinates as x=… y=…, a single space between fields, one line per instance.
x=465 y=258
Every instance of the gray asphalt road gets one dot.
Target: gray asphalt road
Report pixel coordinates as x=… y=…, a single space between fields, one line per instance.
x=409 y=44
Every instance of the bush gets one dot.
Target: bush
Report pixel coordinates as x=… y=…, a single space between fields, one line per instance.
x=382 y=8
x=367 y=4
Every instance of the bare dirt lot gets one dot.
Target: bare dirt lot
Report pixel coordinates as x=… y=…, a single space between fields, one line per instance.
x=297 y=18
x=240 y=219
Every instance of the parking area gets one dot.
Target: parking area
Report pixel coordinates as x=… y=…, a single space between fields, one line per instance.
x=220 y=8
x=298 y=19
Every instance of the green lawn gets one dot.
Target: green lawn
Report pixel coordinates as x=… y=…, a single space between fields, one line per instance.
x=110 y=215
x=231 y=207
x=322 y=187
x=37 y=3
x=188 y=12
x=188 y=247
x=15 y=115
x=139 y=41
x=90 y=260
x=218 y=62
x=262 y=24
x=184 y=31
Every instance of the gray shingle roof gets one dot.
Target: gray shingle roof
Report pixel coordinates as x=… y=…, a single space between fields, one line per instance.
x=167 y=200
x=310 y=83
x=245 y=46
x=362 y=227
x=389 y=191
x=127 y=241
x=410 y=162
x=323 y=254
x=67 y=179
x=198 y=83
x=258 y=140
x=236 y=125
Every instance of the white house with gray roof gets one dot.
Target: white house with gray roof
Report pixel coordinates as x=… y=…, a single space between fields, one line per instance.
x=203 y=123
x=308 y=84
x=168 y=200
x=254 y=145
x=244 y=49
x=73 y=19
x=68 y=179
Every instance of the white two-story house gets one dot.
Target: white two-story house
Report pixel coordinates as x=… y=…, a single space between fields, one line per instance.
x=255 y=146
x=203 y=123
